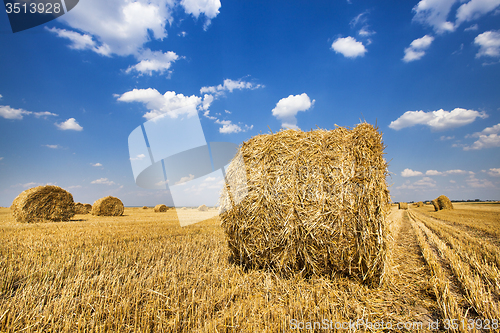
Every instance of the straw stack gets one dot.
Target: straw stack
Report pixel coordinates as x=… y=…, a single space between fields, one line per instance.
x=316 y=202
x=203 y=208
x=108 y=206
x=443 y=202
x=403 y=205
x=160 y=208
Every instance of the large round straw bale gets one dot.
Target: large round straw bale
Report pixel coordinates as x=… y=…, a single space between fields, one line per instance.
x=160 y=208
x=420 y=204
x=108 y=206
x=315 y=202
x=435 y=204
x=40 y=203
x=403 y=205
x=144 y=207
x=203 y=208
x=444 y=202
x=82 y=208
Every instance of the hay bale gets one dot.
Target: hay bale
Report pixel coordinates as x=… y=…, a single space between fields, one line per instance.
x=184 y=208
x=108 y=206
x=82 y=208
x=427 y=202
x=144 y=207
x=435 y=204
x=444 y=202
x=41 y=203
x=160 y=208
x=420 y=204
x=316 y=202
x=203 y=208
x=403 y=205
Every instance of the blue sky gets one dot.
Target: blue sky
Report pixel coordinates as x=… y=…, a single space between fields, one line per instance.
x=427 y=72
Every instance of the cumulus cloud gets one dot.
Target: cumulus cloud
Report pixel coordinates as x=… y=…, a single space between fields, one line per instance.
x=433 y=173
x=103 y=181
x=473 y=27
x=153 y=62
x=97 y=165
x=448 y=172
x=287 y=108
x=410 y=173
x=208 y=7
x=138 y=157
x=229 y=85
x=349 y=47
x=434 y=13
x=422 y=184
x=472 y=181
x=417 y=48
x=489 y=44
x=81 y=41
x=494 y=172
x=228 y=127
x=474 y=9
x=10 y=113
x=70 y=124
x=185 y=179
x=487 y=138
x=437 y=120
x=170 y=103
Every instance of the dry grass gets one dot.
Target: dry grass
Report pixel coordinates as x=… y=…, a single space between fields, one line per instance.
x=315 y=203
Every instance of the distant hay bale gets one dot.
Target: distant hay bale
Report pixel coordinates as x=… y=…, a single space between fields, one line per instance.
x=41 y=203
x=144 y=207
x=315 y=202
x=203 y=208
x=82 y=208
x=403 y=205
x=160 y=208
x=184 y=208
x=108 y=206
x=427 y=202
x=444 y=202
x=420 y=204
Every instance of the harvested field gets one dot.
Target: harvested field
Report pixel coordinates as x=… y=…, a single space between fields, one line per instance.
x=143 y=272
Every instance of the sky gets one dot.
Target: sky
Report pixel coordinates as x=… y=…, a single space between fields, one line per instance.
x=427 y=73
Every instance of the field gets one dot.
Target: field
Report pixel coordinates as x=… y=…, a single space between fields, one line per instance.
x=142 y=272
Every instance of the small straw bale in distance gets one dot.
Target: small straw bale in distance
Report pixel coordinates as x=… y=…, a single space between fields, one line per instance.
x=203 y=208
x=420 y=204
x=444 y=202
x=160 y=208
x=41 y=203
x=144 y=207
x=403 y=205
x=108 y=206
x=82 y=208
x=316 y=203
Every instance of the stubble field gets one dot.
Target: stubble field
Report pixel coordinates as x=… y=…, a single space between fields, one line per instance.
x=142 y=272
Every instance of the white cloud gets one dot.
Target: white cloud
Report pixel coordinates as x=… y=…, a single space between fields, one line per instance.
x=170 y=103
x=437 y=120
x=229 y=85
x=97 y=165
x=494 y=172
x=74 y=186
x=473 y=27
x=422 y=184
x=103 y=181
x=208 y=7
x=52 y=146
x=185 y=179
x=228 y=112
x=433 y=173
x=162 y=182
x=434 y=13
x=474 y=9
x=472 y=181
x=489 y=44
x=485 y=141
x=417 y=48
x=287 y=108
x=153 y=62
x=443 y=138
x=487 y=131
x=456 y=172
x=81 y=41
x=44 y=114
x=210 y=179
x=349 y=47
x=410 y=173
x=1 y=96
x=10 y=113
x=70 y=124
x=228 y=127
x=1 y=158
x=138 y=157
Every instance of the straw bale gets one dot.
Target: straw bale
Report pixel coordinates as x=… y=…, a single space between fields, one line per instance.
x=160 y=208
x=420 y=204
x=82 y=208
x=108 y=206
x=444 y=202
x=203 y=208
x=435 y=204
x=41 y=203
x=144 y=207
x=403 y=205
x=316 y=203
